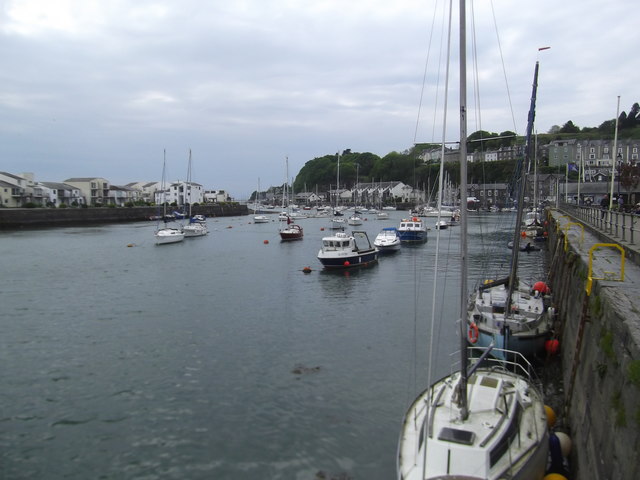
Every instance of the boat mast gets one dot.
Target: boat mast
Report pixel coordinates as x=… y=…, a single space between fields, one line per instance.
x=462 y=385
x=338 y=182
x=188 y=185
x=162 y=186
x=523 y=168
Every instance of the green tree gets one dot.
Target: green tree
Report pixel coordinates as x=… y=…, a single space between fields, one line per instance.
x=569 y=127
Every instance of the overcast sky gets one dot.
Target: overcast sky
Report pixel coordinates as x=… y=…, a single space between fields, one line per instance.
x=101 y=88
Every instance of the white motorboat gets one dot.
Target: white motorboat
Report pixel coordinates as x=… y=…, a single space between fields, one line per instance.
x=441 y=225
x=195 y=229
x=261 y=219
x=347 y=251
x=355 y=220
x=338 y=223
x=387 y=240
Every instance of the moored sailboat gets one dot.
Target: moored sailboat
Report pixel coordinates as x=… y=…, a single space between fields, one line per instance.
x=166 y=234
x=509 y=313
x=487 y=419
x=258 y=217
x=289 y=230
x=195 y=227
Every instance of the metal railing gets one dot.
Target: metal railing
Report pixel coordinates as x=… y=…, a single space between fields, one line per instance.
x=618 y=224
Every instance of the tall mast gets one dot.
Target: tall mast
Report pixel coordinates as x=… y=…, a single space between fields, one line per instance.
x=524 y=167
x=462 y=392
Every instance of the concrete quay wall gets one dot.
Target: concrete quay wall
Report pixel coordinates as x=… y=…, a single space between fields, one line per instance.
x=11 y=218
x=600 y=350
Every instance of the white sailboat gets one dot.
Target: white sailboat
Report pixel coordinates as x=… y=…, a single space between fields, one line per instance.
x=509 y=313
x=258 y=217
x=196 y=226
x=166 y=234
x=337 y=220
x=289 y=230
x=483 y=421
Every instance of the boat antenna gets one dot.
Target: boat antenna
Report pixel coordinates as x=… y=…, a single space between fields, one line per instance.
x=462 y=385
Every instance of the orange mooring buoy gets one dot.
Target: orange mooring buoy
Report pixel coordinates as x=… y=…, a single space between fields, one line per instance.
x=266 y=242
x=306 y=270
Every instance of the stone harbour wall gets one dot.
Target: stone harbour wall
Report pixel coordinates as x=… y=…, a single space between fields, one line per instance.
x=600 y=350
x=11 y=218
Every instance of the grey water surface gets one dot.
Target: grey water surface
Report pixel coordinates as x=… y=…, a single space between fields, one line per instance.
x=218 y=358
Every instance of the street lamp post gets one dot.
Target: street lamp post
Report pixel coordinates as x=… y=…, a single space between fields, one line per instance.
x=619 y=166
x=615 y=149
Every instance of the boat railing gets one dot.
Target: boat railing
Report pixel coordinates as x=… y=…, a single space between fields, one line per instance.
x=509 y=361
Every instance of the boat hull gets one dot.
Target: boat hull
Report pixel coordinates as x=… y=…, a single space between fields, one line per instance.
x=292 y=232
x=195 y=230
x=341 y=261
x=169 y=235
x=412 y=236
x=524 y=330
x=388 y=248
x=529 y=345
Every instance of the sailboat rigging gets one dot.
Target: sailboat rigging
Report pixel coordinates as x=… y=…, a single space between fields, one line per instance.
x=197 y=227
x=337 y=220
x=290 y=230
x=507 y=312
x=483 y=421
x=166 y=234
x=258 y=217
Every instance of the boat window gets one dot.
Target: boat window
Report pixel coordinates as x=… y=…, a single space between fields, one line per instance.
x=456 y=435
x=498 y=309
x=503 y=444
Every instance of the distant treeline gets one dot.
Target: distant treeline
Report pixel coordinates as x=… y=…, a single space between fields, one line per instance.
x=410 y=167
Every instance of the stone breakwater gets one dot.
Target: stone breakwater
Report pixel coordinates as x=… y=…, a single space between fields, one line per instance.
x=600 y=348
x=11 y=218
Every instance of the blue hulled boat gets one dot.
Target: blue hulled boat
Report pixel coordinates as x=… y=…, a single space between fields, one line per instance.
x=412 y=230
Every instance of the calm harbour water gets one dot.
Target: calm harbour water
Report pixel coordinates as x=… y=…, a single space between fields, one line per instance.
x=217 y=358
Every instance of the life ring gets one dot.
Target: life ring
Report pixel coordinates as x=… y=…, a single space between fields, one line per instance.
x=474 y=333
